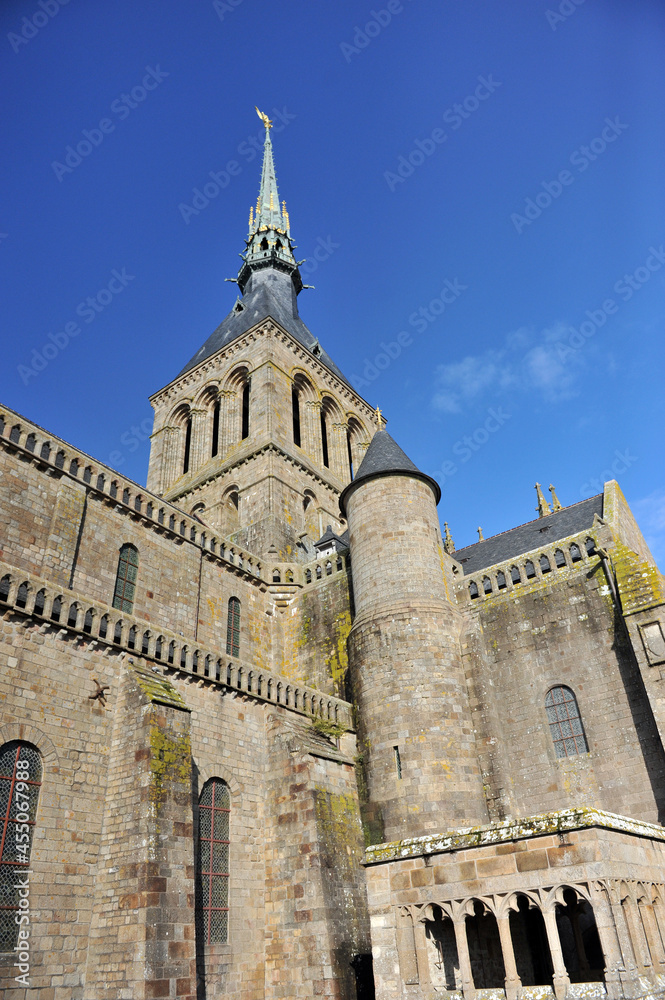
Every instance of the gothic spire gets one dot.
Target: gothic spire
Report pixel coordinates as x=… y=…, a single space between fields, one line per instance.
x=269 y=241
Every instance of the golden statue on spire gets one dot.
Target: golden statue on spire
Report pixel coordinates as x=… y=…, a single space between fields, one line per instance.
x=264 y=118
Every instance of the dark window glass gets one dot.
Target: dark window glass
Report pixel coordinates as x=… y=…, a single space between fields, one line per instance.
x=215 y=429
x=125 y=581
x=324 y=439
x=188 y=445
x=20 y=780
x=213 y=860
x=233 y=628
x=245 y=410
x=295 y=407
x=565 y=722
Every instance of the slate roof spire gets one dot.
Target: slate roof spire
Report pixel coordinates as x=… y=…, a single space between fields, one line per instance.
x=268 y=242
x=269 y=279
x=384 y=457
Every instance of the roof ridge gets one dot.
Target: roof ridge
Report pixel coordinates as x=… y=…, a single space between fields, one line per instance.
x=534 y=520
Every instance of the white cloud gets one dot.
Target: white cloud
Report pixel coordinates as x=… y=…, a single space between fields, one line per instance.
x=528 y=362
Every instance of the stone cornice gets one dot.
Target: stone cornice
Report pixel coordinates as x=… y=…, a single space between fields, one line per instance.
x=509 y=830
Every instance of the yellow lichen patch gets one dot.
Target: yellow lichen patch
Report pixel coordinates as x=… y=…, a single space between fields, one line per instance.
x=337 y=660
x=640 y=584
x=170 y=760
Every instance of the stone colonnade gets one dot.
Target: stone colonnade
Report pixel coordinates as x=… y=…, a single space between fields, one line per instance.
x=440 y=943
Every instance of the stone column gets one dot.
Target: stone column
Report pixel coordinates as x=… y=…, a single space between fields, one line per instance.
x=310 y=430
x=229 y=421
x=339 y=462
x=406 y=947
x=629 y=971
x=171 y=453
x=199 y=450
x=422 y=952
x=654 y=942
x=636 y=931
x=609 y=942
x=659 y=917
x=560 y=981
x=468 y=987
x=513 y=981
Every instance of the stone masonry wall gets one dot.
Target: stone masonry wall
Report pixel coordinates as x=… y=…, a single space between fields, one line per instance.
x=562 y=630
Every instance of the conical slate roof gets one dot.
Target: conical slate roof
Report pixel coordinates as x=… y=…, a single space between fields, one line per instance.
x=268 y=293
x=384 y=457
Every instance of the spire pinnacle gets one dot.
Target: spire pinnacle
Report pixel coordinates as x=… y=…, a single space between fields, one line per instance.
x=556 y=503
x=448 y=543
x=268 y=242
x=543 y=507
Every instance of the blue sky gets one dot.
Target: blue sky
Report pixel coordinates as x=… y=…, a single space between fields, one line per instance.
x=478 y=188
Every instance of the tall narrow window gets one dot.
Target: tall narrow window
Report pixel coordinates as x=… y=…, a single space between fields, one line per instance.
x=324 y=439
x=233 y=628
x=565 y=722
x=349 y=452
x=245 y=409
x=125 y=581
x=215 y=430
x=213 y=860
x=20 y=780
x=295 y=407
x=188 y=445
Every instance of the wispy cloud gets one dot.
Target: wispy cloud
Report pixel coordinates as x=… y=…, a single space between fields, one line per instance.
x=527 y=362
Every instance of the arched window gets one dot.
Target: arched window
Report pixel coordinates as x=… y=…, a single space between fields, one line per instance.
x=295 y=409
x=20 y=780
x=125 y=581
x=215 y=429
x=188 y=444
x=324 y=438
x=233 y=628
x=245 y=409
x=565 y=722
x=213 y=860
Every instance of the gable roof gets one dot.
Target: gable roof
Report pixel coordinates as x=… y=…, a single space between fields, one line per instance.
x=527 y=537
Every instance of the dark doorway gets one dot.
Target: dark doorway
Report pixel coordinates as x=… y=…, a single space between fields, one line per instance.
x=530 y=944
x=580 y=944
x=485 y=952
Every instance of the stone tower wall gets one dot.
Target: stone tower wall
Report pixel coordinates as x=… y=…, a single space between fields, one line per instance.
x=269 y=470
x=404 y=650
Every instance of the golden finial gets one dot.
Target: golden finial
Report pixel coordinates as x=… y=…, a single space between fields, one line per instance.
x=258 y=206
x=379 y=418
x=543 y=507
x=251 y=216
x=448 y=543
x=271 y=204
x=556 y=503
x=286 y=216
x=481 y=537
x=264 y=118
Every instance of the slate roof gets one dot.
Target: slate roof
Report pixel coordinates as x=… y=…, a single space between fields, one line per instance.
x=268 y=292
x=530 y=536
x=384 y=457
x=341 y=541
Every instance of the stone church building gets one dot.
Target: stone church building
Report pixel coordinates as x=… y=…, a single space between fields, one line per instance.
x=265 y=734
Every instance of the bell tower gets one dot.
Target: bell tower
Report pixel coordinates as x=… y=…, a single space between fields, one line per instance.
x=260 y=431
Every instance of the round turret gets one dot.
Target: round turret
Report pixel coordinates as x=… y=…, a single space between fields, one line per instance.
x=404 y=654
